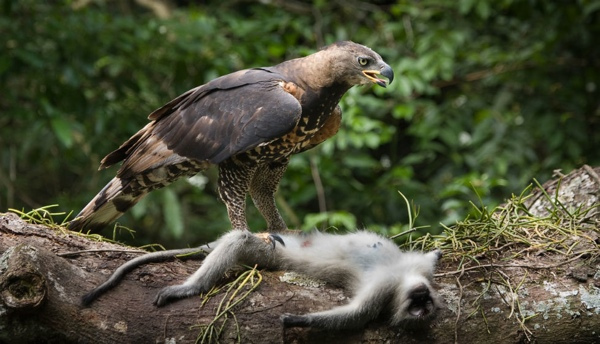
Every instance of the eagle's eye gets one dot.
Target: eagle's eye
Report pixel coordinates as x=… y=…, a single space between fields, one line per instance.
x=363 y=61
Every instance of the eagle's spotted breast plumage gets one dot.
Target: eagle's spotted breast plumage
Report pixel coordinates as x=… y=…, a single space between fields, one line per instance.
x=247 y=123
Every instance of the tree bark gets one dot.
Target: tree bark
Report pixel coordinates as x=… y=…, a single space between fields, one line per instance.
x=535 y=297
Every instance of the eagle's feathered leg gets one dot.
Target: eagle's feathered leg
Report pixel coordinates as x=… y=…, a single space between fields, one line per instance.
x=234 y=184
x=262 y=189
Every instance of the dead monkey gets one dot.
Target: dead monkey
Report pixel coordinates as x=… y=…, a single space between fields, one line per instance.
x=371 y=268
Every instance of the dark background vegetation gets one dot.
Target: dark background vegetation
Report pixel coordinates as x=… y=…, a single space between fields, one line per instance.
x=488 y=95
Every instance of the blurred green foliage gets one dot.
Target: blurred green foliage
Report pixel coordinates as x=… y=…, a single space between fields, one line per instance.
x=488 y=94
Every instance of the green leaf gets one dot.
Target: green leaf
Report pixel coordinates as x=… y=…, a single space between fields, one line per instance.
x=62 y=130
x=405 y=111
x=312 y=221
x=342 y=219
x=336 y=219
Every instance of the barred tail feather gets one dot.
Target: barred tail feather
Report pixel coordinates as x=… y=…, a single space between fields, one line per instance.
x=108 y=205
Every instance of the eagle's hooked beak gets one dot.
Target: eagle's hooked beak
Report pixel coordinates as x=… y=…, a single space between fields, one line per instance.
x=386 y=71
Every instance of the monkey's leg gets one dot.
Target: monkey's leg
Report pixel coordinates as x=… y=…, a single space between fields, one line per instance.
x=232 y=248
x=262 y=189
x=234 y=183
x=364 y=307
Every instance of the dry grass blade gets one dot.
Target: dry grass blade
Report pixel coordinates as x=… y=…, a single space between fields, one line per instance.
x=233 y=295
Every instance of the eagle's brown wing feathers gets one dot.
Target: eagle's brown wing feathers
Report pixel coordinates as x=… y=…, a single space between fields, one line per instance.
x=194 y=126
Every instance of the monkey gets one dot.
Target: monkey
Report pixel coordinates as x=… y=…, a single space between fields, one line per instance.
x=371 y=268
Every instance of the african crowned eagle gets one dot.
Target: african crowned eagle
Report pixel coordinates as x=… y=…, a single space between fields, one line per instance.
x=247 y=123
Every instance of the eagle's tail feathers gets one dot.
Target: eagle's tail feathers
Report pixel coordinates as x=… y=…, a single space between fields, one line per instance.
x=108 y=205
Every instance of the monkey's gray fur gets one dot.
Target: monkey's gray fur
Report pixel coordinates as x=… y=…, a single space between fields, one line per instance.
x=372 y=269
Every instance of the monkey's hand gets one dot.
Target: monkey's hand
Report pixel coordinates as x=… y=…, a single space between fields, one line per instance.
x=175 y=292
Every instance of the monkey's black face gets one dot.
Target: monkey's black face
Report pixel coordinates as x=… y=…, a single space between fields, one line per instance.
x=421 y=303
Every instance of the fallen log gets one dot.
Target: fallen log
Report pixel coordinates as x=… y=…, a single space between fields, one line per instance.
x=527 y=271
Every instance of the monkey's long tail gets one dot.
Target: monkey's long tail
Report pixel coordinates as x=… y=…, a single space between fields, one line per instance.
x=117 y=276
x=108 y=205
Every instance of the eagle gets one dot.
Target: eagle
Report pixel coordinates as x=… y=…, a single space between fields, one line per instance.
x=247 y=123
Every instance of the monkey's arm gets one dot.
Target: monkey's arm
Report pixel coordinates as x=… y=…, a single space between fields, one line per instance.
x=231 y=249
x=153 y=257
x=364 y=307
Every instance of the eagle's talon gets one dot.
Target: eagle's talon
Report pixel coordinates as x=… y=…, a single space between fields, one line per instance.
x=276 y=238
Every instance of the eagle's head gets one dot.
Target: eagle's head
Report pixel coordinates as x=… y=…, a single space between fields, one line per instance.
x=354 y=64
